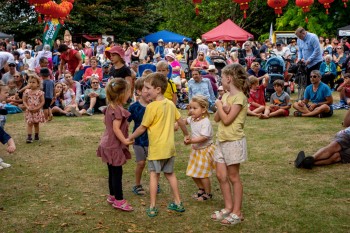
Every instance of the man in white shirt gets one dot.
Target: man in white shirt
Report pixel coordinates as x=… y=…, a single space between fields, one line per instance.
x=143 y=50
x=202 y=47
x=281 y=50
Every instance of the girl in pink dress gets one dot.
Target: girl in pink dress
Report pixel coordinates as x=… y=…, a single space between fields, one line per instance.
x=114 y=146
x=33 y=100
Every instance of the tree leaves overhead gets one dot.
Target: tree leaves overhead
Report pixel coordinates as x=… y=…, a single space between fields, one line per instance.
x=132 y=19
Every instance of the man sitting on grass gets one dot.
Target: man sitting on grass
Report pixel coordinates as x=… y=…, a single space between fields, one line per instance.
x=321 y=97
x=336 y=151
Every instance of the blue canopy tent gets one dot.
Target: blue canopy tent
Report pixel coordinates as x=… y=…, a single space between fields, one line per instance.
x=166 y=36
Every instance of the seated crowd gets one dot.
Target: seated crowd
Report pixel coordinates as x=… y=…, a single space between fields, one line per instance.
x=80 y=74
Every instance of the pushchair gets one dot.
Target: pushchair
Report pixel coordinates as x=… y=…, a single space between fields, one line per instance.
x=219 y=62
x=299 y=72
x=275 y=68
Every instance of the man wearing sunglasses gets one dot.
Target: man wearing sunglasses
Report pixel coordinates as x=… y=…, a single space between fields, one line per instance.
x=317 y=100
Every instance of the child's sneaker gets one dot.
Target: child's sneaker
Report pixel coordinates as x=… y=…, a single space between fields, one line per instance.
x=5 y=165
x=89 y=112
x=176 y=207
x=110 y=199
x=29 y=140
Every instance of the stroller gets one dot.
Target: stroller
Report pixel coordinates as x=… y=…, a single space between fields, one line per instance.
x=299 y=72
x=275 y=68
x=219 y=62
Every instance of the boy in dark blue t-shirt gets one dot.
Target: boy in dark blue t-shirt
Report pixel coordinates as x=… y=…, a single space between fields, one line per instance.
x=140 y=146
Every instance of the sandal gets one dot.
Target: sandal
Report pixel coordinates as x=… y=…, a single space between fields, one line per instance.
x=152 y=212
x=205 y=197
x=220 y=215
x=231 y=220
x=298 y=114
x=122 y=205
x=198 y=194
x=138 y=190
x=176 y=207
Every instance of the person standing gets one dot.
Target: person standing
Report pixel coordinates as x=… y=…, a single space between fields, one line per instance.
x=143 y=47
x=309 y=51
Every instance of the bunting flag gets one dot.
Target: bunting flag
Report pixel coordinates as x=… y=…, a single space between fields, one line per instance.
x=51 y=30
x=271 y=33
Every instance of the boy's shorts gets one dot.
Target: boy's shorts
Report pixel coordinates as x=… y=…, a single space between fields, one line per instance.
x=141 y=153
x=47 y=103
x=231 y=152
x=163 y=165
x=343 y=139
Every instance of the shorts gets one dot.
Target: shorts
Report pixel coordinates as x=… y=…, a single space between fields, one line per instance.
x=343 y=139
x=141 y=153
x=47 y=103
x=285 y=112
x=99 y=103
x=231 y=152
x=163 y=165
x=326 y=114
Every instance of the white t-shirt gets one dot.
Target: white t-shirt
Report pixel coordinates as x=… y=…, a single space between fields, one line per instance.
x=201 y=128
x=203 y=48
x=143 y=50
x=4 y=57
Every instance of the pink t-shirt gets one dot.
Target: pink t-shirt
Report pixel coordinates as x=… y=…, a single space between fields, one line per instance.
x=174 y=64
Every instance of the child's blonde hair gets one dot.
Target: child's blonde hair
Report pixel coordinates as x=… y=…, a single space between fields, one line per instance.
x=239 y=76
x=116 y=90
x=157 y=79
x=139 y=83
x=146 y=72
x=252 y=80
x=162 y=65
x=203 y=103
x=36 y=77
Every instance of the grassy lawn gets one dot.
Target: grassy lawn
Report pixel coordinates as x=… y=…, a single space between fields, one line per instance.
x=59 y=185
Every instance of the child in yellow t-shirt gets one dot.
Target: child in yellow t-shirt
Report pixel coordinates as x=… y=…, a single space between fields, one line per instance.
x=159 y=119
x=170 y=92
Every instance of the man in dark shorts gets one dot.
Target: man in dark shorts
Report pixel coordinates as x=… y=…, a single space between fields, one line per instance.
x=336 y=151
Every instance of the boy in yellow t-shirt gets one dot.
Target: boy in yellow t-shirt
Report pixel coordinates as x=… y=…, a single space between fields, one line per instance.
x=170 y=92
x=159 y=119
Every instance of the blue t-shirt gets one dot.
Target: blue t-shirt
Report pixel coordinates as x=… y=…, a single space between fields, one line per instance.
x=48 y=87
x=137 y=111
x=320 y=95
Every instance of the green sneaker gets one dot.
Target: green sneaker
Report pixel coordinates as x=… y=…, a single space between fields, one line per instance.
x=175 y=207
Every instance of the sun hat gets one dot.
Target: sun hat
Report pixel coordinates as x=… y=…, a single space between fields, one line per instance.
x=212 y=67
x=160 y=41
x=171 y=55
x=87 y=44
x=116 y=49
x=13 y=62
x=198 y=41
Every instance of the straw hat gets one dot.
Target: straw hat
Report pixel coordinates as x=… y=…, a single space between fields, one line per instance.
x=212 y=68
x=87 y=44
x=171 y=55
x=198 y=41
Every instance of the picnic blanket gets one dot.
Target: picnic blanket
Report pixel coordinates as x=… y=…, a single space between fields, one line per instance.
x=340 y=105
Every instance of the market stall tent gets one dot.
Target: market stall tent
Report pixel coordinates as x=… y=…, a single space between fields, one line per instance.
x=227 y=31
x=4 y=36
x=344 y=31
x=166 y=36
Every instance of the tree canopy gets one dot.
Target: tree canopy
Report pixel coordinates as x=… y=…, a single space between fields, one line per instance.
x=132 y=19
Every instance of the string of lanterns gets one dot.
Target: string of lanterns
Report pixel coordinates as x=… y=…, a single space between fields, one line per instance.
x=52 y=10
x=277 y=5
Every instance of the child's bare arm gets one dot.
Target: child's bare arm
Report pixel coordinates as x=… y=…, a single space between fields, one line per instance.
x=119 y=133
x=228 y=118
x=196 y=140
x=11 y=146
x=182 y=126
x=140 y=130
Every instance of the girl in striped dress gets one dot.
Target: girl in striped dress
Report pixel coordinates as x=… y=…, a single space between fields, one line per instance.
x=201 y=163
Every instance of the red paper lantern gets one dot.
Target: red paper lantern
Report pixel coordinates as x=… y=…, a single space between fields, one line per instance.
x=51 y=9
x=305 y=6
x=196 y=3
x=277 y=5
x=326 y=4
x=243 y=5
x=345 y=1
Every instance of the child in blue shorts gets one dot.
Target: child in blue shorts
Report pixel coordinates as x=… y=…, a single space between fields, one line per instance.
x=137 y=111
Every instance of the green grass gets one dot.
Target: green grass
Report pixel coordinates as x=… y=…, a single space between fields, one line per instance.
x=59 y=185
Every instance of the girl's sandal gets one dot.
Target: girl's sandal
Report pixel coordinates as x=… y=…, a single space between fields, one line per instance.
x=205 y=197
x=220 y=215
x=231 y=220
x=122 y=205
x=298 y=114
x=138 y=190
x=152 y=212
x=198 y=194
